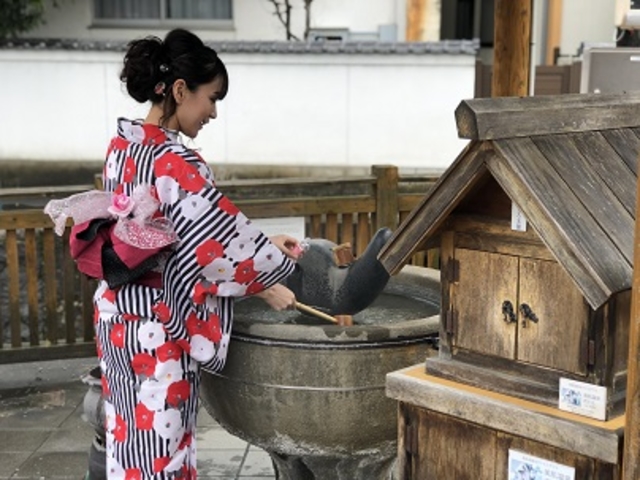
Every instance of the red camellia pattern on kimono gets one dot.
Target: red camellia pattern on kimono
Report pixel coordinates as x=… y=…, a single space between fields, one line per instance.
x=152 y=342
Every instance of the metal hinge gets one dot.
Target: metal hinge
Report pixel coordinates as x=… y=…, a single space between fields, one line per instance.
x=450 y=320
x=591 y=353
x=453 y=270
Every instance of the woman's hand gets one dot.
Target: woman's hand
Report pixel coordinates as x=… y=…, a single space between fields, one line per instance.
x=278 y=297
x=288 y=245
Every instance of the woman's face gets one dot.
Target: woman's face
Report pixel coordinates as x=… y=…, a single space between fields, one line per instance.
x=195 y=109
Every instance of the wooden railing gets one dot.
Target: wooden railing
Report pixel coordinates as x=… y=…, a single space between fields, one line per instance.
x=46 y=310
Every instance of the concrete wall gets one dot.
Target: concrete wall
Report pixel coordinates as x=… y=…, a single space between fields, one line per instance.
x=323 y=110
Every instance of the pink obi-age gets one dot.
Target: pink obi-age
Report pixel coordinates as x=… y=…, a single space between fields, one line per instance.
x=115 y=237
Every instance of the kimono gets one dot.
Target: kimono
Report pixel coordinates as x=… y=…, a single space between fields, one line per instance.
x=155 y=335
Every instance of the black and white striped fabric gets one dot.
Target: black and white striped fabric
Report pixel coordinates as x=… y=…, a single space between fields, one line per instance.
x=152 y=342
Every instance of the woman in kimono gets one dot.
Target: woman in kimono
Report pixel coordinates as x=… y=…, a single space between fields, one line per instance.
x=155 y=333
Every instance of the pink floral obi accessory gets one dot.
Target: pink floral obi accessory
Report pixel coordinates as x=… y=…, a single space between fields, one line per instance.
x=115 y=237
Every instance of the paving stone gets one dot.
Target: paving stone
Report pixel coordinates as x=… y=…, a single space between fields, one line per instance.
x=43 y=434
x=34 y=418
x=68 y=440
x=257 y=464
x=13 y=441
x=222 y=463
x=53 y=464
x=11 y=461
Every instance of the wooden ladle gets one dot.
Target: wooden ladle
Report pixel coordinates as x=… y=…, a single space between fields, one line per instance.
x=343 y=320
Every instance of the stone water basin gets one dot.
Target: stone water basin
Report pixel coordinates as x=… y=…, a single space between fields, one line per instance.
x=313 y=395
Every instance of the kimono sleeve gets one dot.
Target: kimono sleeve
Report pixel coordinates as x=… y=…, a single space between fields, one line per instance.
x=220 y=253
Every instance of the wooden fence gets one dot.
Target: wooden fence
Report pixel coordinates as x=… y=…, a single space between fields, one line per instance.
x=549 y=79
x=46 y=310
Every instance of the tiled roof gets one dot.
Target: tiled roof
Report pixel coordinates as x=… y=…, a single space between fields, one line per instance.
x=448 y=47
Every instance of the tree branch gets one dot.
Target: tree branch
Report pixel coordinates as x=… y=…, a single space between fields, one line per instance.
x=285 y=18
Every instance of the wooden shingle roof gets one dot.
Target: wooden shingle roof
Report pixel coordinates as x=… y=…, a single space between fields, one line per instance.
x=568 y=161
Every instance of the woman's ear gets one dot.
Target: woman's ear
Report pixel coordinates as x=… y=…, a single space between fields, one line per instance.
x=178 y=89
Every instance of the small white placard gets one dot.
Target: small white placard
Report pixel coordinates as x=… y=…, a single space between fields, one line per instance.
x=293 y=226
x=523 y=466
x=583 y=398
x=518 y=220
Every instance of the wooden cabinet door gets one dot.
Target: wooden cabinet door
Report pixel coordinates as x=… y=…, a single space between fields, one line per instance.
x=485 y=280
x=559 y=338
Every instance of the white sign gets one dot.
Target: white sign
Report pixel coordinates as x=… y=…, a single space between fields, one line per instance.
x=293 y=226
x=583 y=399
x=523 y=466
x=518 y=220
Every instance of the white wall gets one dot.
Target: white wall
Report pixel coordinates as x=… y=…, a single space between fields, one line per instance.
x=253 y=20
x=588 y=21
x=282 y=109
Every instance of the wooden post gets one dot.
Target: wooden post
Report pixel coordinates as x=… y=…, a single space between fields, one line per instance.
x=386 y=196
x=554 y=29
x=423 y=21
x=631 y=456
x=512 y=45
x=415 y=14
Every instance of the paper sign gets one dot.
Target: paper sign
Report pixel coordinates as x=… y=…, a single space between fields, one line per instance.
x=518 y=220
x=523 y=466
x=583 y=398
x=293 y=226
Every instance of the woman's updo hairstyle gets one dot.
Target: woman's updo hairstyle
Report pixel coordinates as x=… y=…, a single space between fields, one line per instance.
x=152 y=65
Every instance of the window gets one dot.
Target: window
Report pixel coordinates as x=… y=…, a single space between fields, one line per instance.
x=468 y=19
x=142 y=13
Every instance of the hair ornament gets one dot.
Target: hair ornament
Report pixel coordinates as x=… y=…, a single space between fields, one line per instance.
x=164 y=68
x=159 y=88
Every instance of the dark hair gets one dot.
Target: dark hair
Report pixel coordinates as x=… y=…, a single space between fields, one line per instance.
x=151 y=65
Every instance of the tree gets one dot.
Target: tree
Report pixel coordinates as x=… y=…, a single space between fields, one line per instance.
x=283 y=12
x=18 y=16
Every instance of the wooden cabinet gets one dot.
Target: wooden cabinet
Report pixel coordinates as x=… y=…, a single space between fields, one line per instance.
x=518 y=308
x=514 y=321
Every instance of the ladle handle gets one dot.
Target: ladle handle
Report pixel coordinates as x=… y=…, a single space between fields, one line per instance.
x=306 y=308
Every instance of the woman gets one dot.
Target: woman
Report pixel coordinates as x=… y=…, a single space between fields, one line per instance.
x=155 y=333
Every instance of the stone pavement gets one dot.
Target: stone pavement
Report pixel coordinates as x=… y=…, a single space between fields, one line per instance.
x=43 y=434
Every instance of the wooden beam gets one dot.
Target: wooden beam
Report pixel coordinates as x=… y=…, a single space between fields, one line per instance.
x=495 y=118
x=554 y=30
x=415 y=14
x=512 y=48
x=423 y=21
x=631 y=452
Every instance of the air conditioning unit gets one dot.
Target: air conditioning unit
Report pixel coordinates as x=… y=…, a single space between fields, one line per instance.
x=628 y=14
x=610 y=70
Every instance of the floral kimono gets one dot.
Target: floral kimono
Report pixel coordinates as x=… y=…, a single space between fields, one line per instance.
x=154 y=334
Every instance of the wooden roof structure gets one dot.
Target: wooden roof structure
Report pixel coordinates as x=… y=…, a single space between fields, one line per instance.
x=570 y=164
